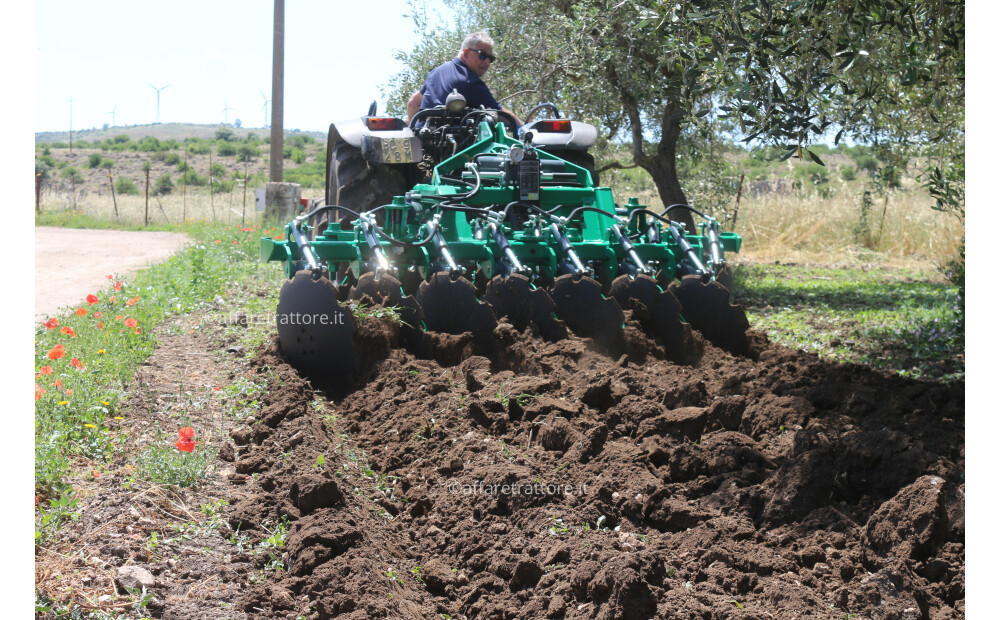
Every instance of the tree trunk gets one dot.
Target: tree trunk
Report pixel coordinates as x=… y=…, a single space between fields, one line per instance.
x=662 y=165
x=663 y=168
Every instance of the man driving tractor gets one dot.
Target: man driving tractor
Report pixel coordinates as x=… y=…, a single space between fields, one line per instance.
x=463 y=73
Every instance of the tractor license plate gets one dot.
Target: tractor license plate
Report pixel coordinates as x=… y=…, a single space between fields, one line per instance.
x=391 y=150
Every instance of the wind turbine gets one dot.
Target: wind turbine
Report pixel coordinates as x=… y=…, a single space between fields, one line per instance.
x=113 y=114
x=158 y=99
x=264 y=107
x=226 y=110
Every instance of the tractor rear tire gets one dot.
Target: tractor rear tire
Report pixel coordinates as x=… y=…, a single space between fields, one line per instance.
x=357 y=184
x=583 y=159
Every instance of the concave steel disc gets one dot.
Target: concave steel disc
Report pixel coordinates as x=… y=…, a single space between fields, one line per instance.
x=706 y=307
x=523 y=304
x=387 y=291
x=659 y=312
x=450 y=306
x=316 y=334
x=580 y=304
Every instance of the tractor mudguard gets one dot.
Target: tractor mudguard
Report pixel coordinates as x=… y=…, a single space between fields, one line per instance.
x=580 y=137
x=399 y=146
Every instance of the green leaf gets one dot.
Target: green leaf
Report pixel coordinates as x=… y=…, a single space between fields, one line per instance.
x=814 y=157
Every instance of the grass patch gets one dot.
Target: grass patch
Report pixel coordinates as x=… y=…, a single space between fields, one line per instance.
x=903 y=320
x=86 y=356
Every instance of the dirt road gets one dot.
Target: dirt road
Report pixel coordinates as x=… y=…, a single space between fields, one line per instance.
x=70 y=263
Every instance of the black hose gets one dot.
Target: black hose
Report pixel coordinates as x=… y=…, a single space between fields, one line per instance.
x=684 y=206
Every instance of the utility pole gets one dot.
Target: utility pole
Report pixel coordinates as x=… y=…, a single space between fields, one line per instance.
x=277 y=93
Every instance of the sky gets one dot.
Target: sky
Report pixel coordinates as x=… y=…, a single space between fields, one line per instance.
x=214 y=60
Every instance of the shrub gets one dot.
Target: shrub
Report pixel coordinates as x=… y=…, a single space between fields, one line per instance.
x=121 y=139
x=225 y=148
x=158 y=156
x=247 y=152
x=865 y=162
x=298 y=156
x=150 y=144
x=72 y=175
x=225 y=134
x=124 y=185
x=217 y=170
x=848 y=173
x=172 y=159
x=164 y=185
x=199 y=148
x=813 y=173
x=94 y=160
x=43 y=168
x=190 y=177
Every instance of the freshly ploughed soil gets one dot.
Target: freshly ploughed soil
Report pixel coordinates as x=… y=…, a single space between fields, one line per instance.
x=552 y=481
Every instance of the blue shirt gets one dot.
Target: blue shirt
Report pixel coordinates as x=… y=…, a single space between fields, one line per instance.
x=456 y=75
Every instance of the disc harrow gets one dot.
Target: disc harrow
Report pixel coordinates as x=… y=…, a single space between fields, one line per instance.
x=503 y=230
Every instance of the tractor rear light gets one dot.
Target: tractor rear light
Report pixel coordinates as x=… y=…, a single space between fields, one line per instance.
x=553 y=126
x=383 y=123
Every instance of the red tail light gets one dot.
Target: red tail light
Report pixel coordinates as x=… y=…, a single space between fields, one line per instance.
x=383 y=123
x=556 y=126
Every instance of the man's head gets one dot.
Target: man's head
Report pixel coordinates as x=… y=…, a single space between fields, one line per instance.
x=477 y=52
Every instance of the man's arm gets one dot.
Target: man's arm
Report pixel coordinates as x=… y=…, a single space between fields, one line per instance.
x=508 y=111
x=413 y=105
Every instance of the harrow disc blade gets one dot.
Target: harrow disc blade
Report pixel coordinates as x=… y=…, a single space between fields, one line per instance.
x=580 y=304
x=706 y=307
x=451 y=306
x=316 y=333
x=387 y=291
x=515 y=298
x=660 y=313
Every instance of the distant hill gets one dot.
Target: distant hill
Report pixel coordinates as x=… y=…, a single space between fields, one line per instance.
x=163 y=131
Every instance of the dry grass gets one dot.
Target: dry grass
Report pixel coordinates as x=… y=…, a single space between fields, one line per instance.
x=173 y=208
x=807 y=227
x=804 y=226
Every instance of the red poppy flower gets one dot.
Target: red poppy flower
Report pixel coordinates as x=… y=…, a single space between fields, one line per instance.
x=76 y=363
x=68 y=331
x=132 y=301
x=45 y=370
x=109 y=276
x=234 y=241
x=118 y=286
x=100 y=325
x=113 y=298
x=39 y=390
x=138 y=331
x=51 y=323
x=92 y=299
x=58 y=383
x=97 y=315
x=186 y=442
x=131 y=322
x=119 y=317
x=81 y=311
x=56 y=352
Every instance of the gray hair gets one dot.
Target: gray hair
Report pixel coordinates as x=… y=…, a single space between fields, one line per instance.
x=475 y=40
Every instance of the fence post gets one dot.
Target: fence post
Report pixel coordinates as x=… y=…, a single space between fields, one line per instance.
x=145 y=220
x=739 y=192
x=38 y=192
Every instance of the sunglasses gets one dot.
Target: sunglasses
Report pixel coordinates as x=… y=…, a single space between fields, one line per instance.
x=483 y=55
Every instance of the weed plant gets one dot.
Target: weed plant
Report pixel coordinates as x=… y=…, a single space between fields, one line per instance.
x=86 y=354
